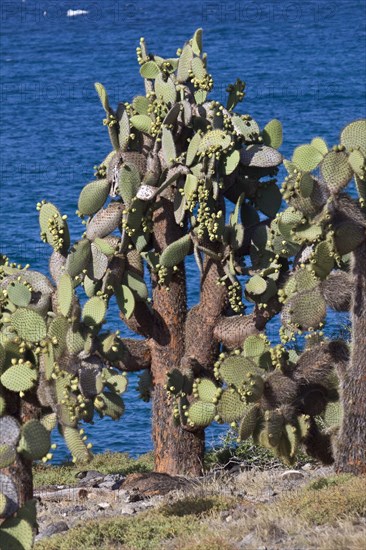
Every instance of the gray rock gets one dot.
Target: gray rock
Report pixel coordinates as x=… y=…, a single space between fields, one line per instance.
x=90 y=478
x=112 y=481
x=292 y=475
x=52 y=529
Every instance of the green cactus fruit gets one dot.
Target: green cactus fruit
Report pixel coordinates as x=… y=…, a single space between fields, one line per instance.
x=104 y=222
x=260 y=156
x=335 y=170
x=65 y=294
x=230 y=406
x=272 y=134
x=78 y=258
x=76 y=445
x=125 y=300
x=54 y=227
x=149 y=70
x=35 y=440
x=7 y=455
x=176 y=251
x=214 y=140
x=206 y=390
x=58 y=329
x=20 y=378
x=184 y=63
x=306 y=309
x=93 y=197
x=249 y=421
x=110 y=404
x=353 y=136
x=29 y=325
x=307 y=157
x=143 y=123
x=168 y=147
x=165 y=90
x=348 y=236
x=248 y=129
x=129 y=182
x=19 y=294
x=117 y=383
x=94 y=311
x=268 y=199
x=256 y=285
x=201 y=413
x=49 y=421
x=333 y=414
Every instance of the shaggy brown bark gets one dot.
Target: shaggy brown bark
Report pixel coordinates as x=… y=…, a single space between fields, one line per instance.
x=177 y=451
x=351 y=451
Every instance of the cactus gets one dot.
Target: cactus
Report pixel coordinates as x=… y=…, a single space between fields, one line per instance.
x=179 y=160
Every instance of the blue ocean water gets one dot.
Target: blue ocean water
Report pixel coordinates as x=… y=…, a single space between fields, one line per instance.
x=303 y=62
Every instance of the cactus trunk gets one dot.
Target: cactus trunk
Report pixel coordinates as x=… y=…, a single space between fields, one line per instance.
x=351 y=452
x=177 y=451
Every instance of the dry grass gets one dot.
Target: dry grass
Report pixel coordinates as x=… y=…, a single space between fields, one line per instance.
x=326 y=514
x=106 y=463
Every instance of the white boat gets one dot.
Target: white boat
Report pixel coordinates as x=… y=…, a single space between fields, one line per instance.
x=74 y=13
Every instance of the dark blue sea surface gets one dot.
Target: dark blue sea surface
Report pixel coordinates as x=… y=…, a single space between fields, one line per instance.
x=303 y=62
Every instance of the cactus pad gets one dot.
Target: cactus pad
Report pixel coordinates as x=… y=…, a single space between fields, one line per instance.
x=35 y=440
x=7 y=455
x=353 y=136
x=29 y=325
x=9 y=430
x=176 y=252
x=230 y=406
x=93 y=197
x=94 y=311
x=335 y=170
x=249 y=422
x=9 y=491
x=201 y=413
x=19 y=294
x=19 y=378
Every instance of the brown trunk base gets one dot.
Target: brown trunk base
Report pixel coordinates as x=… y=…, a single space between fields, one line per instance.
x=177 y=451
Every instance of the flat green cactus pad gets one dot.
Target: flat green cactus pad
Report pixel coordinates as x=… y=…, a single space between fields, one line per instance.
x=20 y=378
x=93 y=197
x=94 y=311
x=29 y=325
x=35 y=440
x=201 y=413
x=19 y=294
x=353 y=136
x=176 y=252
x=249 y=421
x=230 y=406
x=7 y=455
